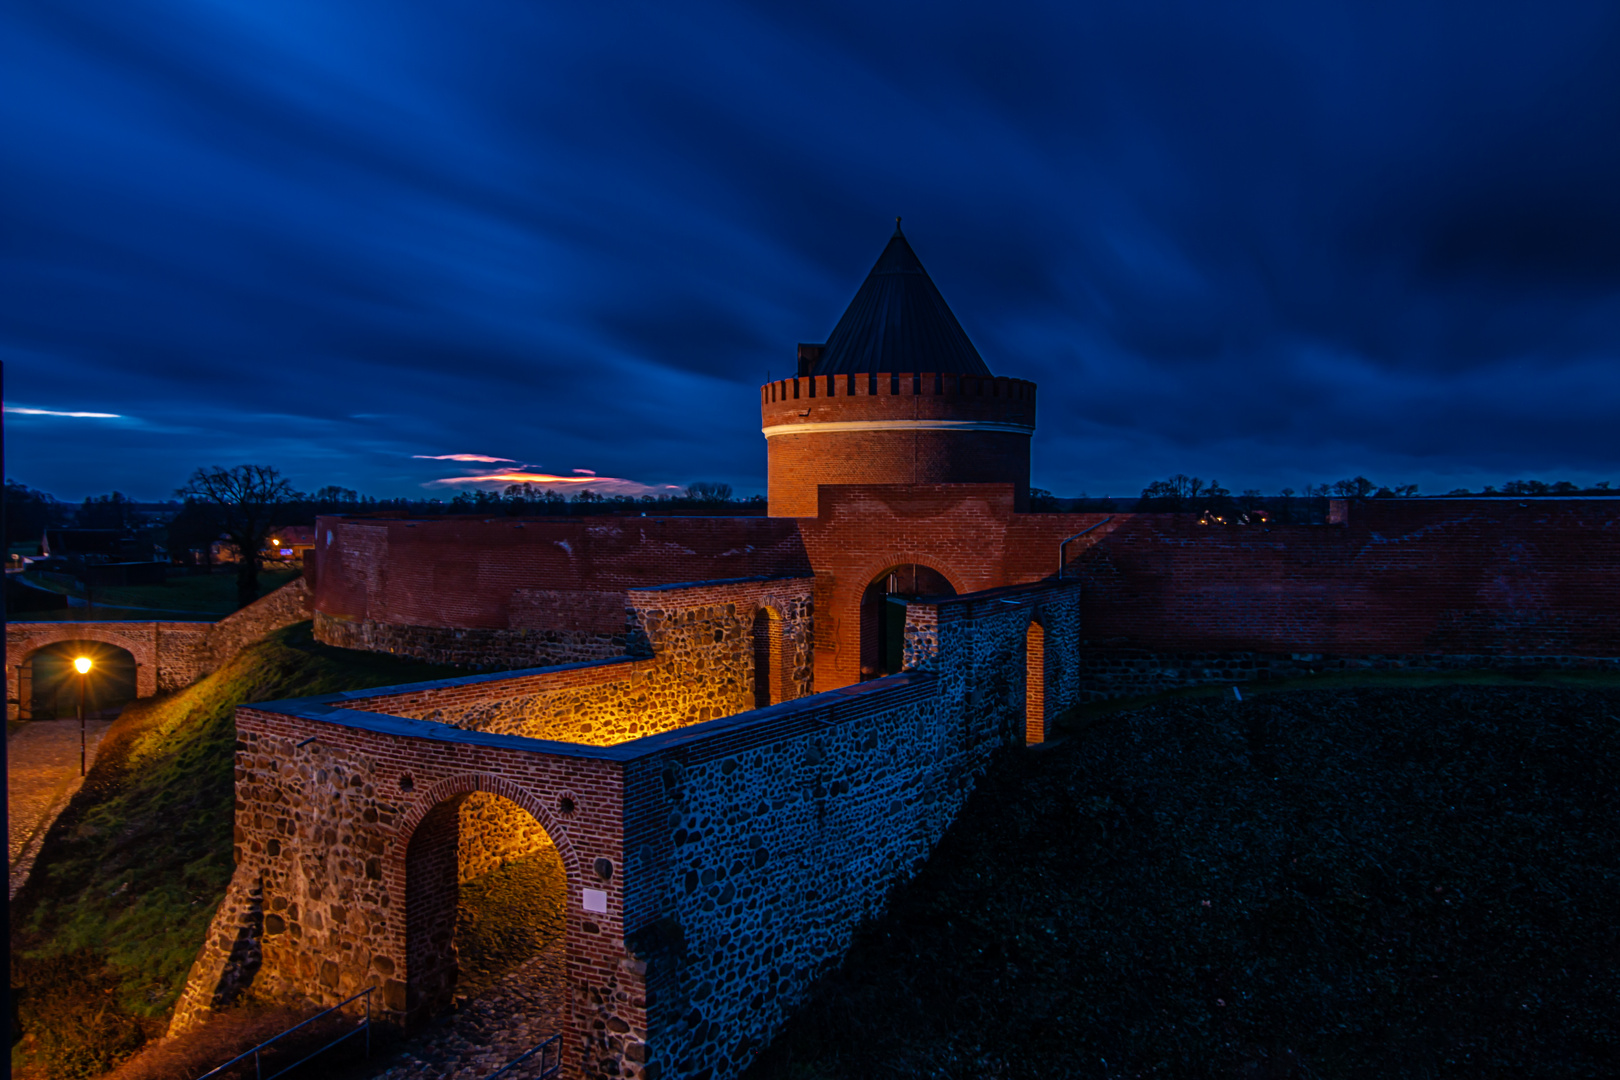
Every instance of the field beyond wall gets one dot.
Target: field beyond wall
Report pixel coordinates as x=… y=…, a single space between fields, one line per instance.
x=1357 y=882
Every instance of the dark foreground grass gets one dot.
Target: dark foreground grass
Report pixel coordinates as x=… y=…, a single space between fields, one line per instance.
x=128 y=877
x=1318 y=884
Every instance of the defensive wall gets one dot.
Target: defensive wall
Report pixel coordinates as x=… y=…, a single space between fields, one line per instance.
x=1169 y=601
x=521 y=592
x=168 y=655
x=687 y=847
x=1394 y=584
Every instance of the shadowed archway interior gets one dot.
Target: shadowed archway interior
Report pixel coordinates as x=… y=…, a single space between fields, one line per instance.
x=49 y=686
x=484 y=893
x=883 y=614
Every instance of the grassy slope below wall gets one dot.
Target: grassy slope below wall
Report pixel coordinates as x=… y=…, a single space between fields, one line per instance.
x=1316 y=884
x=129 y=876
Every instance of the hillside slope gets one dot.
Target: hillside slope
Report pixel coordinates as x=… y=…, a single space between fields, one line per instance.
x=129 y=876
x=1351 y=883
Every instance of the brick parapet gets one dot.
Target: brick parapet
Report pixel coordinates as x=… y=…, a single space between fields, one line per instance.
x=897 y=395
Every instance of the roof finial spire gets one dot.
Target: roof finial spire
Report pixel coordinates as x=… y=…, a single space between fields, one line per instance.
x=897 y=231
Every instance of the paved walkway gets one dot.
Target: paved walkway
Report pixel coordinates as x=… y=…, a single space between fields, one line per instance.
x=42 y=775
x=524 y=1007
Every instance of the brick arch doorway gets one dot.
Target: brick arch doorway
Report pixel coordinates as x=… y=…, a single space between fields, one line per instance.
x=1035 y=680
x=883 y=613
x=770 y=680
x=485 y=911
x=48 y=684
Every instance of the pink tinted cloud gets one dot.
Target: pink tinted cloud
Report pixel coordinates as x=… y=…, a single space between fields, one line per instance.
x=586 y=472
x=602 y=485
x=483 y=459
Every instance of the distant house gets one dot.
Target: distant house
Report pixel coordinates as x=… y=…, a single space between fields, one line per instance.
x=290 y=543
x=284 y=545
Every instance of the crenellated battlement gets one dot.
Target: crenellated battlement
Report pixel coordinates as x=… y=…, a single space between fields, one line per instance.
x=812 y=399
x=894 y=427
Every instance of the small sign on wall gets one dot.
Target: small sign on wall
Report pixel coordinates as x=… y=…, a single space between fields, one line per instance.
x=596 y=900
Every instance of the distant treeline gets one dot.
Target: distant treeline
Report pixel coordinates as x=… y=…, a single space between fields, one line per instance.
x=1189 y=494
x=181 y=525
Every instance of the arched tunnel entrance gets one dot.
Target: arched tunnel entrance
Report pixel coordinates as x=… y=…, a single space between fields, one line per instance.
x=48 y=684
x=484 y=907
x=883 y=614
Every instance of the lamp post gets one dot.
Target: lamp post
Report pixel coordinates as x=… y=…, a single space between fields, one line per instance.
x=82 y=666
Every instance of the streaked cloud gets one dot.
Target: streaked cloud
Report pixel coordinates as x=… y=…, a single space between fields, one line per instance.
x=20 y=410
x=480 y=458
x=602 y=485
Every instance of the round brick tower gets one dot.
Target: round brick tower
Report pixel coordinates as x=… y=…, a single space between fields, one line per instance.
x=897 y=395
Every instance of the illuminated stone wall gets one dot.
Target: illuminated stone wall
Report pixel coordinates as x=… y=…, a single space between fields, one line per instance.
x=329 y=805
x=698 y=639
x=493 y=831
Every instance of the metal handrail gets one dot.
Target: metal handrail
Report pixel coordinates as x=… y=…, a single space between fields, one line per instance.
x=258 y=1070
x=554 y=1069
x=1063 y=560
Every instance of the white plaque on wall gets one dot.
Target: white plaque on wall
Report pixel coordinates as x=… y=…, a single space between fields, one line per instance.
x=596 y=900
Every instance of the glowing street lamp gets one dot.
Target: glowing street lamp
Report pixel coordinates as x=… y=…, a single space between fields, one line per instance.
x=82 y=665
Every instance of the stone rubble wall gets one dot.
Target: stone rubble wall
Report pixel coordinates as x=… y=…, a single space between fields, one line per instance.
x=699 y=640
x=327 y=808
x=229 y=958
x=494 y=831
x=488 y=648
x=806 y=815
x=289 y=604
x=168 y=655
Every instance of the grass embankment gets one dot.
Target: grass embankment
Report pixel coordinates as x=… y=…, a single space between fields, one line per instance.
x=1364 y=882
x=202 y=594
x=128 y=877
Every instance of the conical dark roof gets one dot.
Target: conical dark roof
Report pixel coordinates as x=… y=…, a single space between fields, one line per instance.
x=898 y=322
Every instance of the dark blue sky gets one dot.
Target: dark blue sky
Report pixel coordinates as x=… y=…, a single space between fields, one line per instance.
x=1280 y=244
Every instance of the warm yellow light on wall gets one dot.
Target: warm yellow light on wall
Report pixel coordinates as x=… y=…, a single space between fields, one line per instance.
x=82 y=665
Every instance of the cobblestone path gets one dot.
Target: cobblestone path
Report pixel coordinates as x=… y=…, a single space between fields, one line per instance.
x=42 y=774
x=524 y=1007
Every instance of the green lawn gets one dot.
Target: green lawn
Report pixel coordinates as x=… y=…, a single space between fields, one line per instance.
x=203 y=594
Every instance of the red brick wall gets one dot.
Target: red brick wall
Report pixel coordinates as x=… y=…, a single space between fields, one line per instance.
x=1402 y=576
x=959 y=530
x=1453 y=576
x=798 y=463
x=466 y=573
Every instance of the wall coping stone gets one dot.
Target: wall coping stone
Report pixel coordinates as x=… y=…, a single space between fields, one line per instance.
x=401 y=689
x=721 y=581
x=827 y=709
